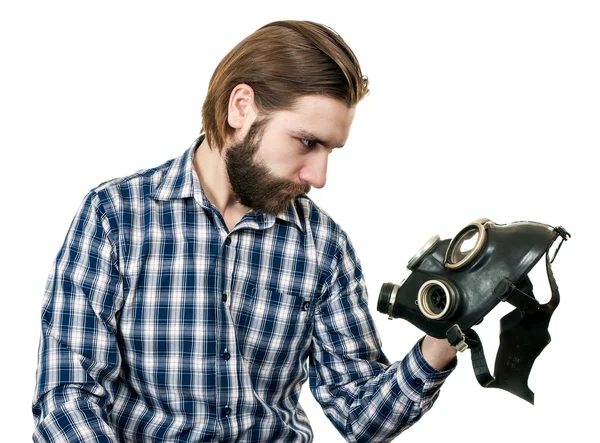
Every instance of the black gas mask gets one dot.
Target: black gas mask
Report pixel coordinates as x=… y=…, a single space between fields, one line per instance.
x=455 y=283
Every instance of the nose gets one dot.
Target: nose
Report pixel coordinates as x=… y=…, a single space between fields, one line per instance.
x=314 y=171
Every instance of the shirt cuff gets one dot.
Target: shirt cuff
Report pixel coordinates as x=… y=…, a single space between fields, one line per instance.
x=418 y=380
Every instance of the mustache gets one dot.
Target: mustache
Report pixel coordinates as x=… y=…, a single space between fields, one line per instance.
x=278 y=185
x=292 y=188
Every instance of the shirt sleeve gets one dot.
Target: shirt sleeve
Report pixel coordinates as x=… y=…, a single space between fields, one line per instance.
x=365 y=397
x=78 y=355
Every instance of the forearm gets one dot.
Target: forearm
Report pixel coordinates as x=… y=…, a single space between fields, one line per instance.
x=70 y=414
x=381 y=407
x=73 y=391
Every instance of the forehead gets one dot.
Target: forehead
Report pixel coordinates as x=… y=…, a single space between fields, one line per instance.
x=326 y=118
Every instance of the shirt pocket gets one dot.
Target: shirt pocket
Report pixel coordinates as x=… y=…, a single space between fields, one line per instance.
x=273 y=329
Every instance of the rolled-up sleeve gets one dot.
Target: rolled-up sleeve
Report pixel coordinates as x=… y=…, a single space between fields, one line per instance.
x=78 y=355
x=363 y=395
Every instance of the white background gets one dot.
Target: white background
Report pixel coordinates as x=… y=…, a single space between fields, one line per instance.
x=478 y=109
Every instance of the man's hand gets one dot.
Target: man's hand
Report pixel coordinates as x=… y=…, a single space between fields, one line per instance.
x=437 y=352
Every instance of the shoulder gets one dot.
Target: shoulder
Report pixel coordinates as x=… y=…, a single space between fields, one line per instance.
x=138 y=184
x=130 y=191
x=143 y=179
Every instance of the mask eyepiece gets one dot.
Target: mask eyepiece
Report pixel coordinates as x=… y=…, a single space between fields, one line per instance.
x=435 y=299
x=466 y=245
x=414 y=261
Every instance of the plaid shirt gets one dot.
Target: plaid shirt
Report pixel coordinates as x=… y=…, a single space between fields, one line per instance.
x=161 y=325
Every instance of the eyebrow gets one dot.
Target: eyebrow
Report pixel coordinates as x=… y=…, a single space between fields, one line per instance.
x=302 y=133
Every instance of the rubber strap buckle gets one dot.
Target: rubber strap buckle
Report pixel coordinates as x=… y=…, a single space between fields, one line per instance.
x=456 y=338
x=563 y=232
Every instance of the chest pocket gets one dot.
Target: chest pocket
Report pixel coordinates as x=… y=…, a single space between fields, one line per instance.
x=273 y=329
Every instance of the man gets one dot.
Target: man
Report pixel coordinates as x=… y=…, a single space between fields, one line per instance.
x=191 y=301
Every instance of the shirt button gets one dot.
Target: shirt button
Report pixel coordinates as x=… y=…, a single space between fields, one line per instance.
x=226 y=355
x=224 y=297
x=226 y=411
x=418 y=381
x=228 y=241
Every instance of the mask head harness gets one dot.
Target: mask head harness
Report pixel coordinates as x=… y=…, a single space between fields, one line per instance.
x=455 y=283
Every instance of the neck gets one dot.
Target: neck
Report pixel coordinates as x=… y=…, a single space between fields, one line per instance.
x=212 y=173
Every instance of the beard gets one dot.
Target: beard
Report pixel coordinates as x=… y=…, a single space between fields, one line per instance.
x=253 y=183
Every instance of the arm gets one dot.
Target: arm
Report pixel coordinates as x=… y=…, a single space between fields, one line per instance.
x=78 y=356
x=362 y=394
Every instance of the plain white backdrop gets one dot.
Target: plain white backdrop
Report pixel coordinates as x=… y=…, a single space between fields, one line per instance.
x=477 y=109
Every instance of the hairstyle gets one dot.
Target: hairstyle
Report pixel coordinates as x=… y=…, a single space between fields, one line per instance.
x=281 y=62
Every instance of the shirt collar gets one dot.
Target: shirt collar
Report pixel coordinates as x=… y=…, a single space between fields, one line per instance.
x=181 y=181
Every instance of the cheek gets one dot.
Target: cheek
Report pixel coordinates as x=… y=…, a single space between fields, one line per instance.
x=282 y=155
x=285 y=167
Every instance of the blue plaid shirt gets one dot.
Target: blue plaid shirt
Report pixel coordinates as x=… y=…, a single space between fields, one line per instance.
x=159 y=324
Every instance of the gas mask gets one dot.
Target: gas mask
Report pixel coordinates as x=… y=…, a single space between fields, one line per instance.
x=455 y=283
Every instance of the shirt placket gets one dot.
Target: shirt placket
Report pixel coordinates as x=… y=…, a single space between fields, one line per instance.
x=227 y=385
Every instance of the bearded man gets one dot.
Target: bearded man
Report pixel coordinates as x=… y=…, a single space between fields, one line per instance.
x=191 y=301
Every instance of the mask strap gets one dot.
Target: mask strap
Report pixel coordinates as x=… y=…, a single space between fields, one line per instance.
x=565 y=236
x=469 y=339
x=506 y=291
x=555 y=298
x=480 y=367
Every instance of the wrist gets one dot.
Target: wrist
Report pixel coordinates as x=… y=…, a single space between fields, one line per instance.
x=437 y=352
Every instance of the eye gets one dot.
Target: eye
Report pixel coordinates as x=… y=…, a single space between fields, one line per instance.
x=307 y=143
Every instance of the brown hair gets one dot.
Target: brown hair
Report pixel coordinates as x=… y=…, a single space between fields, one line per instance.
x=281 y=62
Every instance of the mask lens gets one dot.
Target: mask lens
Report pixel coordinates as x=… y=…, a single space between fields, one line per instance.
x=413 y=262
x=465 y=246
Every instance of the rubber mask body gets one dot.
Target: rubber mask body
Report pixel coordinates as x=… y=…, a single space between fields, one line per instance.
x=450 y=290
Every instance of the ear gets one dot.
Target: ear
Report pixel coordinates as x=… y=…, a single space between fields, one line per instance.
x=241 y=111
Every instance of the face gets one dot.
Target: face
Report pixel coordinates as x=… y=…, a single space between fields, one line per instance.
x=284 y=155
